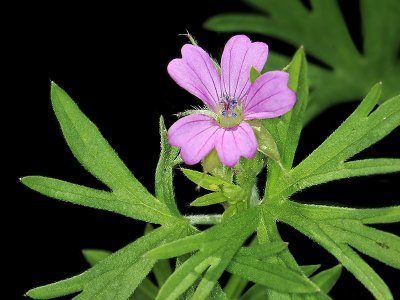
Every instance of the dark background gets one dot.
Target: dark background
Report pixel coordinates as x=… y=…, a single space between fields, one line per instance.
x=96 y=54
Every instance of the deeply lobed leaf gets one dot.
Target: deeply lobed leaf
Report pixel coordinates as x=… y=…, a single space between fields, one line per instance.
x=349 y=73
x=116 y=276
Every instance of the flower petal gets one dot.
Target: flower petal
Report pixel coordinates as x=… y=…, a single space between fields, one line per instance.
x=231 y=143
x=196 y=73
x=269 y=96
x=195 y=135
x=239 y=55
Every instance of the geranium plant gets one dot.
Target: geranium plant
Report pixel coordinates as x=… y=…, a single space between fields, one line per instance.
x=252 y=121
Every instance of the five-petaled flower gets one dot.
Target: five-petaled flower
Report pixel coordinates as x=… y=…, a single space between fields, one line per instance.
x=230 y=97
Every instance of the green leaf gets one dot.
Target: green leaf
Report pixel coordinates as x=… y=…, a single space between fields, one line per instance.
x=271 y=275
x=256 y=292
x=94 y=256
x=118 y=275
x=85 y=196
x=96 y=155
x=211 y=162
x=353 y=168
x=286 y=129
x=309 y=269
x=360 y=130
x=261 y=251
x=328 y=278
x=266 y=142
x=378 y=244
x=267 y=232
x=162 y=270
x=236 y=284
x=335 y=243
x=164 y=173
x=349 y=73
x=146 y=289
x=209 y=199
x=216 y=247
x=254 y=74
x=321 y=213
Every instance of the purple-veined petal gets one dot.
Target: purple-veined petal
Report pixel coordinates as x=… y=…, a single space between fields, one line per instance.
x=232 y=143
x=195 y=135
x=196 y=73
x=239 y=55
x=269 y=96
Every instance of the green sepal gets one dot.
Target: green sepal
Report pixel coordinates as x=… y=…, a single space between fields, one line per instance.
x=209 y=199
x=266 y=142
x=211 y=162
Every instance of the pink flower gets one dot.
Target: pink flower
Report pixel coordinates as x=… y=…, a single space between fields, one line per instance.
x=231 y=99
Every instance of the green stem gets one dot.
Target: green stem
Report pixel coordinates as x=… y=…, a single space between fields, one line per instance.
x=204 y=219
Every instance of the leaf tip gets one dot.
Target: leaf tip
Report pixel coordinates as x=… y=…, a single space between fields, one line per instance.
x=54 y=86
x=206 y=24
x=25 y=180
x=300 y=51
x=31 y=293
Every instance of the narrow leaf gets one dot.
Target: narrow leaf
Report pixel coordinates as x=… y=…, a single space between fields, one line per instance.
x=271 y=275
x=94 y=256
x=256 y=292
x=309 y=269
x=116 y=276
x=286 y=129
x=343 y=253
x=355 y=168
x=85 y=196
x=162 y=270
x=235 y=286
x=96 y=155
x=358 y=132
x=321 y=213
x=216 y=246
x=378 y=244
x=328 y=278
x=146 y=290
x=262 y=251
x=293 y=120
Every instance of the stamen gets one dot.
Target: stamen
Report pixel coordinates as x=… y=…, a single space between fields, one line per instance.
x=230 y=112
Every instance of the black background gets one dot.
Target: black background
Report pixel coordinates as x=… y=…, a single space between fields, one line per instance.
x=96 y=54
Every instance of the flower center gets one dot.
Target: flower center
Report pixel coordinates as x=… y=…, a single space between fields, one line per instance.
x=230 y=112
